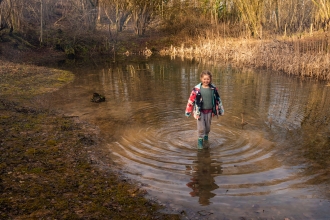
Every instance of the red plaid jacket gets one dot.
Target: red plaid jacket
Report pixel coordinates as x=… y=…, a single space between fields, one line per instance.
x=195 y=102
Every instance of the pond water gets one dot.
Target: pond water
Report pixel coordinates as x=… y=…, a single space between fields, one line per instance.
x=263 y=169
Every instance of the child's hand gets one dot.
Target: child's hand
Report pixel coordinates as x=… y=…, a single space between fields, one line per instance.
x=187 y=114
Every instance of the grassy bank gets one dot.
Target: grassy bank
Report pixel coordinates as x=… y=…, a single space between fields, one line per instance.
x=46 y=167
x=22 y=82
x=303 y=55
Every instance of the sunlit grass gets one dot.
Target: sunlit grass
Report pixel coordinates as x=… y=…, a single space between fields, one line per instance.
x=304 y=56
x=26 y=81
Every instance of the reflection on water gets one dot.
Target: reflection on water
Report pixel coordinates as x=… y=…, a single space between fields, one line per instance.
x=265 y=169
x=203 y=170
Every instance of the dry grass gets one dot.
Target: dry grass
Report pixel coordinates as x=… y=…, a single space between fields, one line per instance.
x=306 y=56
x=21 y=81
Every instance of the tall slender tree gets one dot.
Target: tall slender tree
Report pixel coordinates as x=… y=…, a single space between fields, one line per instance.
x=142 y=13
x=118 y=12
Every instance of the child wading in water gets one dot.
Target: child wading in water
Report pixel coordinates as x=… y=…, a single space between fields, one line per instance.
x=204 y=102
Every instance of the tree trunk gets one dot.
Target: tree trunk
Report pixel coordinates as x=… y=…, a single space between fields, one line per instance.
x=141 y=16
x=277 y=15
x=41 y=20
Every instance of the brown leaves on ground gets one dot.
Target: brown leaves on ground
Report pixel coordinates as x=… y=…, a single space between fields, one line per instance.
x=46 y=172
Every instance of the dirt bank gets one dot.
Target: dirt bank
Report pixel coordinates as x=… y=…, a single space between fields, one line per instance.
x=46 y=165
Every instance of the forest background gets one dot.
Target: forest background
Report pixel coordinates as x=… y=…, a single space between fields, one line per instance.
x=283 y=35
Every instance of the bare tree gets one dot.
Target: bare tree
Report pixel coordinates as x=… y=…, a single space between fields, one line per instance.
x=41 y=21
x=142 y=12
x=86 y=12
x=3 y=20
x=118 y=12
x=11 y=14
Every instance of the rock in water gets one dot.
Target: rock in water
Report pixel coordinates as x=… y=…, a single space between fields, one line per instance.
x=97 y=97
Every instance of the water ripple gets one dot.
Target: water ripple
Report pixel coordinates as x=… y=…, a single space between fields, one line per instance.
x=259 y=170
x=240 y=162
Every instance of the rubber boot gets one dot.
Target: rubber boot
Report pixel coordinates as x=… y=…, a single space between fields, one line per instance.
x=206 y=138
x=200 y=143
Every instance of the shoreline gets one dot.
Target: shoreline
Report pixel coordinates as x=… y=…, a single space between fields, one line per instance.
x=48 y=169
x=304 y=56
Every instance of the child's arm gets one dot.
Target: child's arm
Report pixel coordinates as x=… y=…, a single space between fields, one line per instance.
x=191 y=103
x=220 y=109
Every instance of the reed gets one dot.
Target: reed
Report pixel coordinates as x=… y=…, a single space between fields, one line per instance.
x=304 y=56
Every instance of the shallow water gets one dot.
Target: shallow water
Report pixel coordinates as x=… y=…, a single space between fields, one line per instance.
x=258 y=170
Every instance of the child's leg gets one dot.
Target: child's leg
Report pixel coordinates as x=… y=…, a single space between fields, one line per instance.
x=207 y=119
x=201 y=126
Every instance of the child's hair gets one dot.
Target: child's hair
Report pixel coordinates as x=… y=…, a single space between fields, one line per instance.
x=206 y=72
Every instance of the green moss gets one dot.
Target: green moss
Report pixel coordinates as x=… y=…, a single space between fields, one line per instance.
x=65 y=77
x=27 y=81
x=51 y=143
x=30 y=152
x=36 y=170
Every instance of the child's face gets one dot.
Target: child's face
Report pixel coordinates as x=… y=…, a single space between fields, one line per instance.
x=206 y=80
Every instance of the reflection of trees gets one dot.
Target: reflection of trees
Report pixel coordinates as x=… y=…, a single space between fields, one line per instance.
x=203 y=172
x=148 y=90
x=297 y=109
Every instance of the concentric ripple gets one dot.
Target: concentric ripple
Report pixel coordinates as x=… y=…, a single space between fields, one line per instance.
x=254 y=171
x=172 y=147
x=237 y=166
